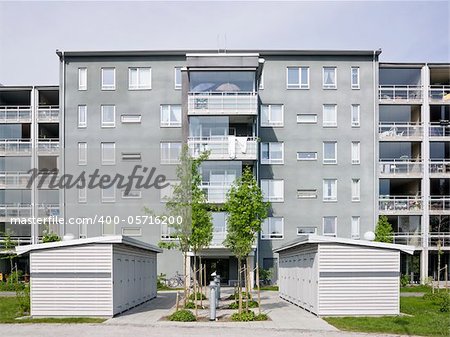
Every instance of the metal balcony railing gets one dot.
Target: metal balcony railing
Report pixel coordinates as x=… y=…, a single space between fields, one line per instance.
x=48 y=113
x=17 y=179
x=48 y=145
x=216 y=192
x=15 y=210
x=15 y=114
x=15 y=147
x=439 y=203
x=399 y=130
x=400 y=167
x=439 y=131
x=439 y=93
x=16 y=240
x=227 y=147
x=442 y=239
x=412 y=239
x=400 y=203
x=46 y=210
x=222 y=103
x=439 y=167
x=400 y=93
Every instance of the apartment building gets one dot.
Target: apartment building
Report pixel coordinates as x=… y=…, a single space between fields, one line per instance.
x=334 y=138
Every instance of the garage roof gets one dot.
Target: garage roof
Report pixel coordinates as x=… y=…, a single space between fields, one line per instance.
x=100 y=239
x=308 y=239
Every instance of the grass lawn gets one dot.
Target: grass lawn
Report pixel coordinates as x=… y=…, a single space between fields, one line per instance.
x=426 y=320
x=416 y=289
x=269 y=288
x=9 y=311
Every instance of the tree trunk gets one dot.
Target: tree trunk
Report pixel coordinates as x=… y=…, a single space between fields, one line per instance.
x=259 y=290
x=246 y=285
x=239 y=286
x=201 y=280
x=185 y=279
x=195 y=284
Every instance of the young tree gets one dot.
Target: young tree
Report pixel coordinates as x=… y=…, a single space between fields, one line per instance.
x=383 y=231
x=8 y=247
x=246 y=211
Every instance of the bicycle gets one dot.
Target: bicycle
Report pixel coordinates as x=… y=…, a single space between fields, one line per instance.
x=177 y=281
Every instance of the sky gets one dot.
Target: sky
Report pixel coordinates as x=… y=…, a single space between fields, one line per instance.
x=30 y=32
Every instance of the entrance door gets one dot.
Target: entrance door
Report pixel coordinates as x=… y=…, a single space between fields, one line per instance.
x=220 y=266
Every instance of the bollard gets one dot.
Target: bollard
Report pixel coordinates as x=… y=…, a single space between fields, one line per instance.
x=212 y=300
x=217 y=280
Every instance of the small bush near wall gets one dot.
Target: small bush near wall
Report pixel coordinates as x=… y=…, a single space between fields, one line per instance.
x=182 y=316
x=247 y=316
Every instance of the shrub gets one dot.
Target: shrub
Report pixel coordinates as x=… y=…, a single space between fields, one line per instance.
x=248 y=316
x=442 y=299
x=445 y=303
x=235 y=296
x=23 y=298
x=404 y=280
x=251 y=304
x=199 y=296
x=182 y=316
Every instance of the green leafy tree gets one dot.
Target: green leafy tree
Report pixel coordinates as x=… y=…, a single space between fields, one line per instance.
x=9 y=249
x=383 y=230
x=49 y=235
x=246 y=211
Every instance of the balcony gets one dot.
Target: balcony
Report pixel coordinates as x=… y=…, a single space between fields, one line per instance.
x=218 y=238
x=216 y=192
x=400 y=131
x=48 y=146
x=224 y=148
x=439 y=132
x=48 y=114
x=8 y=211
x=440 y=168
x=439 y=204
x=222 y=103
x=18 y=240
x=412 y=239
x=15 y=147
x=14 y=180
x=441 y=239
x=15 y=114
x=400 y=168
x=439 y=94
x=400 y=94
x=47 y=210
x=400 y=204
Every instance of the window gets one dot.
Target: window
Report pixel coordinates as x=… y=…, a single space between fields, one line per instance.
x=273 y=190
x=355 y=77
x=108 y=153
x=306 y=118
x=330 y=152
x=272 y=228
x=109 y=194
x=130 y=119
x=356 y=153
x=108 y=78
x=329 y=190
x=272 y=153
x=139 y=78
x=82 y=194
x=82 y=116
x=261 y=81
x=127 y=231
x=329 y=225
x=82 y=153
x=356 y=116
x=306 y=230
x=131 y=194
x=82 y=230
x=355 y=227
x=167 y=232
x=82 y=78
x=298 y=78
x=170 y=115
x=177 y=77
x=131 y=156
x=108 y=116
x=108 y=228
x=356 y=190
x=170 y=152
x=329 y=78
x=272 y=115
x=329 y=115
x=307 y=194
x=167 y=192
x=306 y=155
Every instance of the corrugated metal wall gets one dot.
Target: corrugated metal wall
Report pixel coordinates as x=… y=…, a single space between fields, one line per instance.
x=356 y=280
x=72 y=281
x=134 y=277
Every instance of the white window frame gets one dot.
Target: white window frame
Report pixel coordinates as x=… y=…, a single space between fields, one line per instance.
x=82 y=77
x=313 y=194
x=356 y=231
x=274 y=198
x=356 y=110
x=335 y=226
x=314 y=230
x=270 y=161
x=261 y=81
x=170 y=124
x=269 y=122
x=168 y=161
x=124 y=229
x=82 y=194
x=331 y=198
x=300 y=122
x=356 y=153
x=139 y=86
x=330 y=161
x=130 y=119
x=139 y=196
x=109 y=161
x=306 y=159
x=82 y=111
x=355 y=85
x=299 y=85
x=108 y=199
x=109 y=86
x=329 y=124
x=269 y=236
x=82 y=153
x=177 y=86
x=105 y=124
x=329 y=86
x=82 y=230
x=356 y=189
x=108 y=224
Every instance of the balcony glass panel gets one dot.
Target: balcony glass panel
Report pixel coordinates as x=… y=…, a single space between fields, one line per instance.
x=222 y=81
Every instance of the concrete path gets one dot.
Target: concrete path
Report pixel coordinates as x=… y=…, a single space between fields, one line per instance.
x=407 y=294
x=7 y=294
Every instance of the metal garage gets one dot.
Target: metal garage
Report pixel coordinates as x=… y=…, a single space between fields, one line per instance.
x=99 y=276
x=336 y=276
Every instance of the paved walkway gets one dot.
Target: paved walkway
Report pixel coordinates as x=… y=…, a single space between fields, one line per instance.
x=8 y=294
